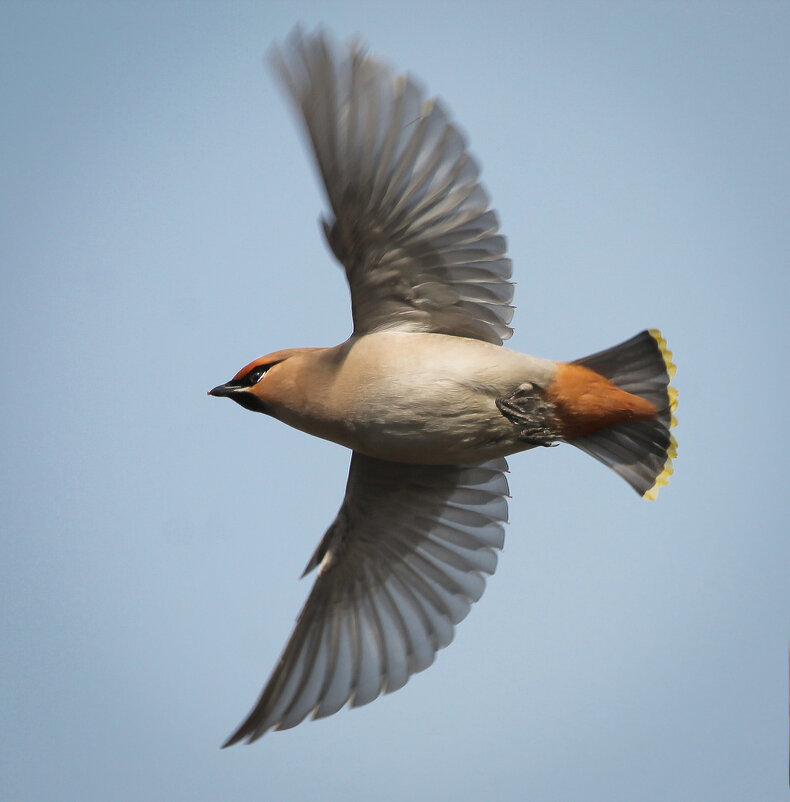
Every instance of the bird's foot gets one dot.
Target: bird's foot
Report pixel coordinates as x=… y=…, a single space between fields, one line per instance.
x=534 y=415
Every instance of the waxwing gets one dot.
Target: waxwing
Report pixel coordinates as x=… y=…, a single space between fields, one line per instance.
x=423 y=392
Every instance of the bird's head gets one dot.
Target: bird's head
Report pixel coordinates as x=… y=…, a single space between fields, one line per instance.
x=257 y=386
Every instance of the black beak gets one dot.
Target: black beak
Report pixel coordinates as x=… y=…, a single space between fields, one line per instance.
x=241 y=395
x=224 y=389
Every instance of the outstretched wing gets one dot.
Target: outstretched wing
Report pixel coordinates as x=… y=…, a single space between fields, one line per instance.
x=401 y=565
x=411 y=225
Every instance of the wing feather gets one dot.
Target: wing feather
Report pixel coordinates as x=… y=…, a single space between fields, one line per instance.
x=403 y=562
x=404 y=193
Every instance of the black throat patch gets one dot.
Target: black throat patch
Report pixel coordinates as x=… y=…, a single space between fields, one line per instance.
x=250 y=401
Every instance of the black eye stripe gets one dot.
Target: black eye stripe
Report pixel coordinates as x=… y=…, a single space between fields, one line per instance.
x=256 y=374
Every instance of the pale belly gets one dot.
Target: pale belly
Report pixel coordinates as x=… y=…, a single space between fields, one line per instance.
x=419 y=398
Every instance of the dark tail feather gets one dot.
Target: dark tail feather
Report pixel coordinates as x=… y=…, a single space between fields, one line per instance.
x=642 y=452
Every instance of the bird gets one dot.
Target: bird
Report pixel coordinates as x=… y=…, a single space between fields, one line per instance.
x=423 y=393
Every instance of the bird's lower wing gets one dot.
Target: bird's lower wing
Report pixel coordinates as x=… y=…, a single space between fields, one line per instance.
x=401 y=565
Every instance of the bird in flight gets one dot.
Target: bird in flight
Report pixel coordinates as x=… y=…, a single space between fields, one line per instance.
x=423 y=391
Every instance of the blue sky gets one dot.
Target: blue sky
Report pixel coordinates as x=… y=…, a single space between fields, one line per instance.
x=158 y=230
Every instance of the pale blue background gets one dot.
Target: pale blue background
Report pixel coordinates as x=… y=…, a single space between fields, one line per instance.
x=158 y=231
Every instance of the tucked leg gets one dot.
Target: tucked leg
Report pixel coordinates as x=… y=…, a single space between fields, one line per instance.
x=529 y=409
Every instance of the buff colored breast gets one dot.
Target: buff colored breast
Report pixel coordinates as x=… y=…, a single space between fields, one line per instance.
x=422 y=398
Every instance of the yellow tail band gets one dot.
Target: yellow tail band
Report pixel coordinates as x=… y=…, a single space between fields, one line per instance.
x=672 y=395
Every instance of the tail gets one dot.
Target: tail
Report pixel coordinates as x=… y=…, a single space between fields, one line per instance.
x=641 y=452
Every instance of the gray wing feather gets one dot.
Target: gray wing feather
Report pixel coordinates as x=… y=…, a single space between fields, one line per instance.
x=403 y=562
x=411 y=224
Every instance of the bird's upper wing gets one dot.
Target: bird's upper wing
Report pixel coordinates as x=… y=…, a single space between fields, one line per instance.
x=401 y=564
x=411 y=223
